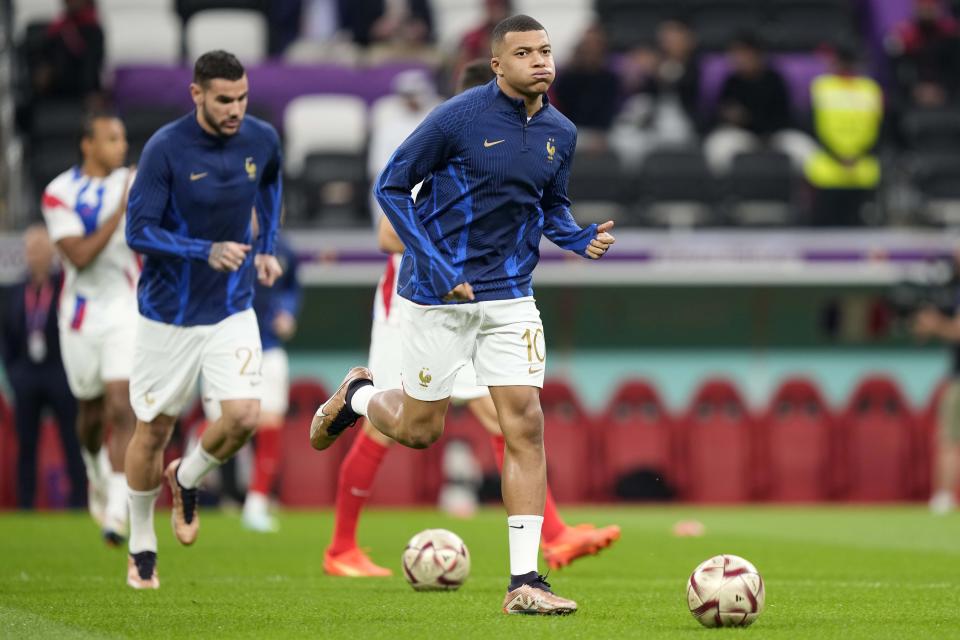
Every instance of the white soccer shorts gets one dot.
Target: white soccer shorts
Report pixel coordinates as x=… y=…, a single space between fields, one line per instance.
x=168 y=359
x=502 y=338
x=101 y=349
x=275 y=397
x=386 y=358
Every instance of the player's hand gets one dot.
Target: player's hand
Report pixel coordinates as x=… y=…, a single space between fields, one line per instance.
x=463 y=292
x=284 y=325
x=601 y=243
x=227 y=256
x=122 y=207
x=268 y=269
x=927 y=322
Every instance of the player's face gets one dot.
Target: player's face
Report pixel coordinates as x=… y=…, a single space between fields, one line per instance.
x=222 y=104
x=525 y=62
x=108 y=145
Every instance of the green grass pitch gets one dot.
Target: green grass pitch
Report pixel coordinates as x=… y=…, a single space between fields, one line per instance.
x=830 y=572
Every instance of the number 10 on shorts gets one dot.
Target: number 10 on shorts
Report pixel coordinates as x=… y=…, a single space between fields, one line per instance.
x=536 y=354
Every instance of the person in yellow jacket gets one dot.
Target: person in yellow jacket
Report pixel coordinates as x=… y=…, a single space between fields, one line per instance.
x=847 y=116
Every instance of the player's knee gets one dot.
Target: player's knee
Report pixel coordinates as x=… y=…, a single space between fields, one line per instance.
x=241 y=416
x=423 y=433
x=525 y=427
x=118 y=412
x=154 y=436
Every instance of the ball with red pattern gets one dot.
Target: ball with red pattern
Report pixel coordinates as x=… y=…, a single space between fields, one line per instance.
x=725 y=591
x=436 y=560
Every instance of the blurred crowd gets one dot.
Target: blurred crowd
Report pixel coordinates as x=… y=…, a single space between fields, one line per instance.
x=628 y=100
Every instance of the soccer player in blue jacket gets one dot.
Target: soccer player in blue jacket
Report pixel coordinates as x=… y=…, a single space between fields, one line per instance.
x=494 y=162
x=189 y=214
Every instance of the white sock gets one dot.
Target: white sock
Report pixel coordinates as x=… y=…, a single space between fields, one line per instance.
x=142 y=535
x=194 y=466
x=524 y=543
x=91 y=461
x=117 y=499
x=361 y=398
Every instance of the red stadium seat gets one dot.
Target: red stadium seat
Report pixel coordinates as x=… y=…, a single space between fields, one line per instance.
x=879 y=437
x=797 y=434
x=636 y=434
x=718 y=446
x=307 y=478
x=569 y=441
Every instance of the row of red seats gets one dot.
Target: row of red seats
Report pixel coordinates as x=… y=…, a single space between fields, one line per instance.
x=876 y=448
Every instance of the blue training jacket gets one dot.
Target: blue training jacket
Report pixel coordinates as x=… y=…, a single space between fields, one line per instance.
x=493 y=183
x=193 y=189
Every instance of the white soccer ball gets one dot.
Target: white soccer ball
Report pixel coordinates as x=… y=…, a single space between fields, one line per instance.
x=725 y=591
x=436 y=560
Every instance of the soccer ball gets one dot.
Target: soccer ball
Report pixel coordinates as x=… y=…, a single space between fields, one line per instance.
x=436 y=560
x=725 y=591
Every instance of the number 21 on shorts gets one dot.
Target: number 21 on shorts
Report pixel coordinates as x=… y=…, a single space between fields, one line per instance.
x=536 y=351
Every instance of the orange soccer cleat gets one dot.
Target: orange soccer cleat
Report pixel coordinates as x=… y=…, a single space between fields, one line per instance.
x=576 y=542
x=353 y=563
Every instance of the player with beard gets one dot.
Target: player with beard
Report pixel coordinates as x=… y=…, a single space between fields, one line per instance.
x=190 y=215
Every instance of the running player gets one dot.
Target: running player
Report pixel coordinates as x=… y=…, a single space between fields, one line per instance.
x=83 y=208
x=494 y=162
x=276 y=308
x=199 y=178
x=344 y=557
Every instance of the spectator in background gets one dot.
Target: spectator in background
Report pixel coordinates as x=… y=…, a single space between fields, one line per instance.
x=476 y=43
x=925 y=53
x=588 y=91
x=753 y=111
x=390 y=29
x=847 y=114
x=31 y=359
x=665 y=83
x=413 y=98
x=71 y=57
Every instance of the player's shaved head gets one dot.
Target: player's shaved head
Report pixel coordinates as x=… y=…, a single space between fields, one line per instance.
x=518 y=23
x=217 y=64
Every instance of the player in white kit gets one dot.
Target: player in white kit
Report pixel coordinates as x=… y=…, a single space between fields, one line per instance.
x=84 y=209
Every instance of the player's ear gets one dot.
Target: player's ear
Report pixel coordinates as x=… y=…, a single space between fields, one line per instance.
x=196 y=92
x=495 y=65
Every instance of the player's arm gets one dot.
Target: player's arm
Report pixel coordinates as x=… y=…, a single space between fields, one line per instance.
x=423 y=151
x=268 y=209
x=387 y=237
x=149 y=198
x=289 y=298
x=83 y=249
x=559 y=226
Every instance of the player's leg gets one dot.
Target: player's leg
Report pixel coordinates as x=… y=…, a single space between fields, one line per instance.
x=947 y=460
x=166 y=364
x=81 y=351
x=435 y=342
x=143 y=465
x=561 y=544
x=230 y=362
x=119 y=415
x=524 y=486
x=266 y=452
x=357 y=472
x=116 y=356
x=510 y=359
